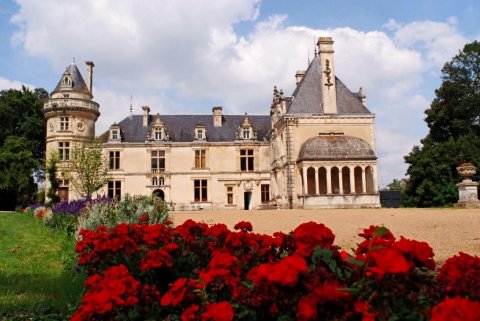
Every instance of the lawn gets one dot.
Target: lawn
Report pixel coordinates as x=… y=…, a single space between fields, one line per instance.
x=38 y=279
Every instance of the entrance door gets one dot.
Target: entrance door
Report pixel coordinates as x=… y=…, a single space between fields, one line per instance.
x=63 y=193
x=159 y=193
x=247 y=197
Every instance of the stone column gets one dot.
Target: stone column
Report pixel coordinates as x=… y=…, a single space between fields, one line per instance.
x=317 y=190
x=329 y=180
x=352 y=180
x=340 y=180
x=364 y=181
x=374 y=176
x=305 y=183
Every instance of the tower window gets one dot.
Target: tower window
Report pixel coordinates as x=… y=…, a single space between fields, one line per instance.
x=63 y=123
x=64 y=151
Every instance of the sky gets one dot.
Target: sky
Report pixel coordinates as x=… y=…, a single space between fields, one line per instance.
x=186 y=56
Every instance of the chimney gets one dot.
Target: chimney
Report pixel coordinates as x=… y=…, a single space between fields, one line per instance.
x=90 y=66
x=217 y=116
x=361 y=93
x=299 y=76
x=325 y=53
x=146 y=110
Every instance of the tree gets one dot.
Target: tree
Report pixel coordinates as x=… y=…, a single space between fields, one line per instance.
x=22 y=142
x=453 y=120
x=395 y=185
x=51 y=169
x=87 y=169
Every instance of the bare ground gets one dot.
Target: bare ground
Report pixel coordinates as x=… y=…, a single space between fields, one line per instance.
x=448 y=231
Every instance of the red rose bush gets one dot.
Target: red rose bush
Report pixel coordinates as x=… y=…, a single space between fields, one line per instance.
x=199 y=272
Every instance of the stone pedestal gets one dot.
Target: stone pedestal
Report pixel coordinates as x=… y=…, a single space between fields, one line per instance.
x=468 y=195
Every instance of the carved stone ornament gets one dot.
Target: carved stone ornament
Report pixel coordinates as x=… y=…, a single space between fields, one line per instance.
x=51 y=127
x=80 y=126
x=466 y=169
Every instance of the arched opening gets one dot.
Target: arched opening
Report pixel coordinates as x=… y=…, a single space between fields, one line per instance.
x=159 y=193
x=358 y=179
x=335 y=181
x=369 y=179
x=322 y=180
x=346 y=180
x=311 y=181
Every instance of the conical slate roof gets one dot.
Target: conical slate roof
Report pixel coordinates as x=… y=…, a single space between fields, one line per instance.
x=307 y=97
x=77 y=79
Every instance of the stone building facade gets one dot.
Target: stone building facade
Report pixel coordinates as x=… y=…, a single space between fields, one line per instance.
x=316 y=149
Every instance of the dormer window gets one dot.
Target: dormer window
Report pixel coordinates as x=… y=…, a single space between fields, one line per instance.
x=115 y=133
x=158 y=131
x=245 y=131
x=158 y=134
x=200 y=132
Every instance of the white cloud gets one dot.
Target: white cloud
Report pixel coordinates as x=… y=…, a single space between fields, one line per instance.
x=6 y=84
x=172 y=54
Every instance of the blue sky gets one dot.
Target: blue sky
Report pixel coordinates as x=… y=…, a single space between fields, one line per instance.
x=186 y=56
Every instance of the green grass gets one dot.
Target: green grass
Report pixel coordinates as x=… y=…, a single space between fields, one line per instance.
x=37 y=270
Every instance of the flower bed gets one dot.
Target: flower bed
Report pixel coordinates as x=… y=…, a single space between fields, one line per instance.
x=200 y=272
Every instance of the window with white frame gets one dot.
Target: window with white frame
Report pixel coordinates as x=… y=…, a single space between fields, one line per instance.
x=200 y=158
x=64 y=123
x=64 y=151
x=115 y=189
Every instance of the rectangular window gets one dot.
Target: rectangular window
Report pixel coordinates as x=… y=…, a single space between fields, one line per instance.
x=246 y=160
x=64 y=151
x=158 y=161
x=114 y=134
x=229 y=195
x=200 y=160
x=158 y=134
x=115 y=189
x=63 y=123
x=114 y=160
x=200 y=190
x=246 y=134
x=265 y=193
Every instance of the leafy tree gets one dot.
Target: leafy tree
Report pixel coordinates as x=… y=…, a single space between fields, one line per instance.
x=22 y=142
x=395 y=185
x=87 y=169
x=51 y=169
x=453 y=119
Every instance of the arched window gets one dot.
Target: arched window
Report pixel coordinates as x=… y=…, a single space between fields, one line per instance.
x=335 y=181
x=358 y=180
x=311 y=181
x=322 y=180
x=161 y=181
x=154 y=181
x=346 y=180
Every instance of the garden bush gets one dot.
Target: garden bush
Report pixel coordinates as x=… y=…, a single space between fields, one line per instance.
x=132 y=209
x=200 y=272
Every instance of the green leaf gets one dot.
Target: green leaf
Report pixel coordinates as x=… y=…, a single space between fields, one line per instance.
x=381 y=231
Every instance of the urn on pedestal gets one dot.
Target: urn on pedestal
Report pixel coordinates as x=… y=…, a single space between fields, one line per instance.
x=467 y=189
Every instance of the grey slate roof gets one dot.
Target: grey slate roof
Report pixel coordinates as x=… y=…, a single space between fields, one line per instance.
x=77 y=79
x=181 y=128
x=307 y=97
x=335 y=147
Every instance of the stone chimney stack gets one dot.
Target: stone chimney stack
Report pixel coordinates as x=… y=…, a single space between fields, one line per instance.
x=146 y=110
x=361 y=93
x=299 y=76
x=329 y=97
x=217 y=116
x=90 y=66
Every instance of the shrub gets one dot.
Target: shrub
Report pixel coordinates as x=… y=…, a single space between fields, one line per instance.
x=146 y=209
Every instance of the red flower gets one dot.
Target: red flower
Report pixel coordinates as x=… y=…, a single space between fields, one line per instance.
x=158 y=258
x=244 y=226
x=178 y=291
x=40 y=214
x=456 y=309
x=388 y=261
x=285 y=272
x=221 y=311
x=309 y=235
x=189 y=314
x=419 y=252
x=364 y=308
x=307 y=308
x=460 y=275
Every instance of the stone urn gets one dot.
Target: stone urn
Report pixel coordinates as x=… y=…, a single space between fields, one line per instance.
x=467 y=189
x=466 y=170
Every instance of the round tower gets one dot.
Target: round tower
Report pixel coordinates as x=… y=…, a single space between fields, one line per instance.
x=70 y=115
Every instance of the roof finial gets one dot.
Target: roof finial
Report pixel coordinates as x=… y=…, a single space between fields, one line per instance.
x=131 y=109
x=308 y=57
x=315 y=46
x=73 y=61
